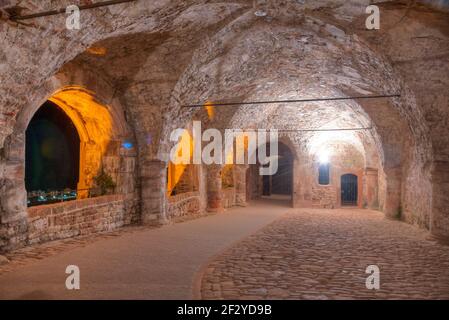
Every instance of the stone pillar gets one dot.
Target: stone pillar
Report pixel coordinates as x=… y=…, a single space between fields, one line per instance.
x=13 y=196
x=296 y=185
x=371 y=181
x=439 y=217
x=13 y=208
x=214 y=189
x=302 y=183
x=240 y=185
x=153 y=192
x=392 y=206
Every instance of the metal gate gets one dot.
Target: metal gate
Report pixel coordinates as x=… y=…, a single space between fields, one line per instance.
x=349 y=190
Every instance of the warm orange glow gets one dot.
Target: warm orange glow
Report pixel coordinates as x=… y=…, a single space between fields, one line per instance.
x=210 y=109
x=175 y=171
x=94 y=124
x=97 y=51
x=227 y=176
x=89 y=116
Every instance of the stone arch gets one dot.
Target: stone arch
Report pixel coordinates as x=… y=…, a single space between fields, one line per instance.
x=103 y=133
x=52 y=156
x=256 y=182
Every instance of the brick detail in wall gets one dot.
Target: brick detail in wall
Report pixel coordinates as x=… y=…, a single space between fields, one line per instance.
x=79 y=217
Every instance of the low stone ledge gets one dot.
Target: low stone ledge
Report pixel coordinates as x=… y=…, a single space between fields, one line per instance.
x=184 y=204
x=77 y=217
x=183 y=196
x=67 y=206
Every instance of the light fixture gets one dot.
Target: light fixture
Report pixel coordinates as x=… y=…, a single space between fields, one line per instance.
x=127 y=145
x=323 y=157
x=260 y=13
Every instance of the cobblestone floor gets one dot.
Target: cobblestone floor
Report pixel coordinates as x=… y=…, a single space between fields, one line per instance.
x=323 y=254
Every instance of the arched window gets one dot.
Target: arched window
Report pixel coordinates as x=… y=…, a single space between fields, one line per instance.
x=71 y=152
x=323 y=174
x=52 y=156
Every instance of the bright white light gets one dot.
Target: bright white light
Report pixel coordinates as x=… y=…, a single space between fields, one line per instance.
x=323 y=157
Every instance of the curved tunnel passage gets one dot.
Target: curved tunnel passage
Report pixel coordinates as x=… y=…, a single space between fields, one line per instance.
x=310 y=49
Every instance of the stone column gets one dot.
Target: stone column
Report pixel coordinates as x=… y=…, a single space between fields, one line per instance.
x=392 y=206
x=13 y=196
x=371 y=180
x=153 y=192
x=13 y=208
x=439 y=217
x=214 y=189
x=303 y=175
x=240 y=185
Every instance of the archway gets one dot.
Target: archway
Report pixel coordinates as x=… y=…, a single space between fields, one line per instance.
x=52 y=155
x=103 y=151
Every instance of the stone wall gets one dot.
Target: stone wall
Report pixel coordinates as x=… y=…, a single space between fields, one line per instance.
x=229 y=199
x=183 y=205
x=324 y=197
x=79 y=217
x=344 y=159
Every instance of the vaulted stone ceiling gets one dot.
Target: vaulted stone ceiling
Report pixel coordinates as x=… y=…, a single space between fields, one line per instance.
x=239 y=57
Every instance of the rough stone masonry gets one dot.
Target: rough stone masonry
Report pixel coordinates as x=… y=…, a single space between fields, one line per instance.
x=139 y=62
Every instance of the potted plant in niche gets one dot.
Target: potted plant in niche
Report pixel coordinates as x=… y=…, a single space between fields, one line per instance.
x=104 y=183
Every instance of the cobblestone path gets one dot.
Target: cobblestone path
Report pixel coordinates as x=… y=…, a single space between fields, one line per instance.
x=323 y=254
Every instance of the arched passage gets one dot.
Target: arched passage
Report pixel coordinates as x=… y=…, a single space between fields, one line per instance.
x=290 y=53
x=281 y=184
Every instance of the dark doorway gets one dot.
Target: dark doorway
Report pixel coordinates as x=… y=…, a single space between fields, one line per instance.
x=282 y=181
x=266 y=191
x=349 y=190
x=52 y=151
